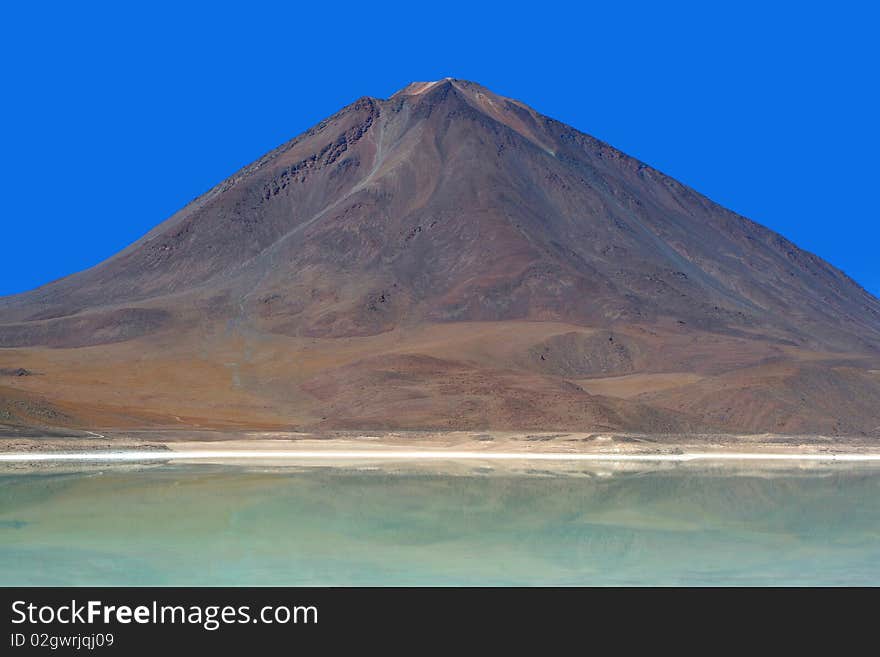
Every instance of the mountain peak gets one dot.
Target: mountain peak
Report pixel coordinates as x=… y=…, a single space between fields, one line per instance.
x=415 y=88
x=418 y=88
x=471 y=90
x=514 y=114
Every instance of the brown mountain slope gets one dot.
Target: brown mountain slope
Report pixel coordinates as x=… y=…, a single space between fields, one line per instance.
x=451 y=258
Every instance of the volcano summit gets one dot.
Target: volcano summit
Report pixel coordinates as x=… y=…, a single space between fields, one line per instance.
x=449 y=259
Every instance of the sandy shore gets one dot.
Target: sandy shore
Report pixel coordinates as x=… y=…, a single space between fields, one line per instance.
x=276 y=447
x=335 y=456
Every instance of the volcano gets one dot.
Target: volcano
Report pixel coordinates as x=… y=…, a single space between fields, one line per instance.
x=449 y=258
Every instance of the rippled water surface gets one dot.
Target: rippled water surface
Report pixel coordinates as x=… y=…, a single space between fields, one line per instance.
x=216 y=525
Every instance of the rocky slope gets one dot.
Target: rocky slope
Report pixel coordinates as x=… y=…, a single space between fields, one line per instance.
x=451 y=258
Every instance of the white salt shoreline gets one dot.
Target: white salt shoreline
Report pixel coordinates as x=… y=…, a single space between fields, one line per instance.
x=413 y=455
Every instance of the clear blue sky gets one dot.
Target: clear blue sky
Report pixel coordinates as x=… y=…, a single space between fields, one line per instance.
x=114 y=116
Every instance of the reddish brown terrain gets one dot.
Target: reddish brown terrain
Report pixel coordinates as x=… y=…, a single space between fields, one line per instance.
x=449 y=258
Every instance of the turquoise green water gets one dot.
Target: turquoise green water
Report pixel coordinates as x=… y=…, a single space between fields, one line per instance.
x=228 y=525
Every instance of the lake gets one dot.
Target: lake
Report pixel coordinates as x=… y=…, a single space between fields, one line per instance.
x=203 y=524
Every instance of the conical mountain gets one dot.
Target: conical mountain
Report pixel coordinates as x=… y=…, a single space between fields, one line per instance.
x=444 y=258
